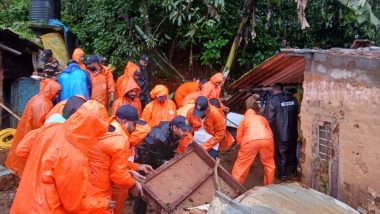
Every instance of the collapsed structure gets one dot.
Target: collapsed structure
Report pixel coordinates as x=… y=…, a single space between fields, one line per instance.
x=339 y=117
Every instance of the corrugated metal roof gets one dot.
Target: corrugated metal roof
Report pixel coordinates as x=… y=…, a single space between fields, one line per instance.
x=283 y=68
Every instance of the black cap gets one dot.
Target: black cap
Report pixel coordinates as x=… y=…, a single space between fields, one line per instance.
x=180 y=121
x=128 y=112
x=46 y=54
x=144 y=58
x=91 y=59
x=201 y=106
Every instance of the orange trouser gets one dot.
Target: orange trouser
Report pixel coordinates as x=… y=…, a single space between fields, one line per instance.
x=246 y=156
x=120 y=196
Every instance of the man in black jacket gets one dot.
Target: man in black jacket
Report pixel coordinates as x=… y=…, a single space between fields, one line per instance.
x=158 y=147
x=282 y=111
x=143 y=80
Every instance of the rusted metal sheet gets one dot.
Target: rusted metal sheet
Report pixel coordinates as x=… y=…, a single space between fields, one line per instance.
x=187 y=180
x=287 y=69
x=282 y=67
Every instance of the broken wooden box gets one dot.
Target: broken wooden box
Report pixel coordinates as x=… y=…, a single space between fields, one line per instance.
x=188 y=180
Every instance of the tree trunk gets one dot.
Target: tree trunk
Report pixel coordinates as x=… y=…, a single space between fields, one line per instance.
x=248 y=9
x=172 y=48
x=160 y=56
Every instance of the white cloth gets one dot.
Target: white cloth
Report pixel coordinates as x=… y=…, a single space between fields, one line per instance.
x=55 y=118
x=201 y=137
x=233 y=119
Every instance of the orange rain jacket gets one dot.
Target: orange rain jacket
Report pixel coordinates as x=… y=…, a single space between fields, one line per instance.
x=77 y=55
x=184 y=109
x=155 y=112
x=183 y=143
x=209 y=90
x=254 y=136
x=190 y=97
x=102 y=85
x=57 y=165
x=129 y=71
x=214 y=124
x=33 y=117
x=120 y=193
x=126 y=86
x=57 y=109
x=183 y=90
x=108 y=161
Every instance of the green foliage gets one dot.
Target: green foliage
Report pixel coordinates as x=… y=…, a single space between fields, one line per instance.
x=206 y=27
x=362 y=10
x=14 y=15
x=212 y=50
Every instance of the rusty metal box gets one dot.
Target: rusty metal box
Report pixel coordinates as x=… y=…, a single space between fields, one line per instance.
x=188 y=180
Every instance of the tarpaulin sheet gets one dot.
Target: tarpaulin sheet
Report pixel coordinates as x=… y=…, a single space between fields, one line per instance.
x=54 y=41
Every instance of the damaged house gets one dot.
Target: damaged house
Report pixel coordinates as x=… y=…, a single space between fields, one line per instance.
x=340 y=118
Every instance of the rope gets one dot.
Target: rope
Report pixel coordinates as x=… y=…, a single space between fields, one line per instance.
x=6 y=137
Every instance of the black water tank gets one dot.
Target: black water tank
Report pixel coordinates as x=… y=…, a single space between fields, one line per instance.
x=43 y=10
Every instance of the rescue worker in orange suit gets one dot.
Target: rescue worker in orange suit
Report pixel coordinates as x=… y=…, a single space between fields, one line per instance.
x=128 y=93
x=108 y=159
x=282 y=111
x=229 y=141
x=78 y=56
x=103 y=85
x=159 y=147
x=209 y=126
x=33 y=117
x=161 y=108
x=254 y=136
x=189 y=137
x=26 y=145
x=120 y=194
x=183 y=90
x=60 y=166
x=213 y=89
x=131 y=71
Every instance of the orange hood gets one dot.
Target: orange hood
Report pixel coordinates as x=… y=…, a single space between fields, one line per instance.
x=159 y=90
x=218 y=77
x=130 y=69
x=86 y=125
x=77 y=54
x=49 y=88
x=128 y=85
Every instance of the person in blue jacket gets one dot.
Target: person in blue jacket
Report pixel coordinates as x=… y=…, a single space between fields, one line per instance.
x=74 y=81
